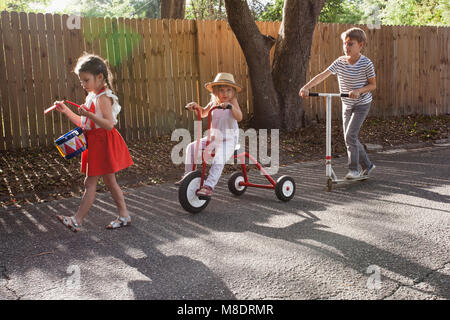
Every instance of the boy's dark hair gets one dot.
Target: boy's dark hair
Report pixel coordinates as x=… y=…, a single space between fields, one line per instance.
x=95 y=65
x=357 y=34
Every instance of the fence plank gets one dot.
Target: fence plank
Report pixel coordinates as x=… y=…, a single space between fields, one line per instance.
x=435 y=72
x=28 y=75
x=162 y=94
x=9 y=39
x=141 y=65
x=157 y=65
x=124 y=80
x=426 y=70
x=153 y=84
x=59 y=24
x=137 y=92
x=53 y=68
x=445 y=70
x=145 y=25
x=205 y=56
x=19 y=69
x=3 y=94
x=114 y=34
x=22 y=129
x=129 y=76
x=5 y=125
x=183 y=76
x=174 y=75
x=194 y=69
x=39 y=105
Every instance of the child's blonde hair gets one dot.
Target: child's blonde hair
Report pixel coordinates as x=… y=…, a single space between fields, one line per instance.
x=355 y=33
x=215 y=93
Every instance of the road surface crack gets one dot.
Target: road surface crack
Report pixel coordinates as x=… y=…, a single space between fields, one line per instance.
x=4 y=275
x=416 y=281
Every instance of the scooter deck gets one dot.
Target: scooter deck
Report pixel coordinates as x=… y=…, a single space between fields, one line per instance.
x=342 y=181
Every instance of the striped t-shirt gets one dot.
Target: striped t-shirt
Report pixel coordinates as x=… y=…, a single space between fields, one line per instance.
x=353 y=76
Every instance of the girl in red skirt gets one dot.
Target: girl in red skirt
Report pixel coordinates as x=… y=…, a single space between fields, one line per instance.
x=107 y=152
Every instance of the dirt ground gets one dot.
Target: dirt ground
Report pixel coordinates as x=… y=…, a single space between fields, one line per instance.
x=39 y=175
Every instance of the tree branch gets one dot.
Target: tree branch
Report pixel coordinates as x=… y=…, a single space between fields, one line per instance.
x=269 y=40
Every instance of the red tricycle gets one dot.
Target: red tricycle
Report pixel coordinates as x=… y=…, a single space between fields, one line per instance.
x=238 y=182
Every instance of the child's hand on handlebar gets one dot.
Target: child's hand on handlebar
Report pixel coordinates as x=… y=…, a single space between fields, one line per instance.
x=225 y=105
x=192 y=106
x=354 y=94
x=304 y=93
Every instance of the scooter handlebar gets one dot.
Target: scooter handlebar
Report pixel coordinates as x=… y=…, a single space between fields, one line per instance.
x=317 y=94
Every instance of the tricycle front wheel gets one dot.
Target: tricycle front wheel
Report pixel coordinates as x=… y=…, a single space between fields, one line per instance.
x=187 y=193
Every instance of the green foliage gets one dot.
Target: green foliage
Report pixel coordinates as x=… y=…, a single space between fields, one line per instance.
x=205 y=9
x=417 y=12
x=334 y=11
x=394 y=12
x=101 y=8
x=215 y=9
x=338 y=11
x=123 y=38
x=399 y=12
x=23 y=5
x=89 y=8
x=273 y=11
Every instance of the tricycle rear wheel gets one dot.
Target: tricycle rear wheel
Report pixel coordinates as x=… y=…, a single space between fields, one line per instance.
x=285 y=188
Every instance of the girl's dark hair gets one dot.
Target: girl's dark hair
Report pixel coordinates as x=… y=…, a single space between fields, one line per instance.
x=95 y=65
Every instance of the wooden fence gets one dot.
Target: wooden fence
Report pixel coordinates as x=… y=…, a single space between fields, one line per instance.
x=160 y=65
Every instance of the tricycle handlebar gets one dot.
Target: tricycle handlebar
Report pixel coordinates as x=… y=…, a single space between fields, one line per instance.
x=229 y=106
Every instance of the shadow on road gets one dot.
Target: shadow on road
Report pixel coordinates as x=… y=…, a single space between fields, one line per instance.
x=32 y=239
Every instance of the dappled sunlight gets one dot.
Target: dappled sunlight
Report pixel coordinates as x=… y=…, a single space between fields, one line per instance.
x=340 y=232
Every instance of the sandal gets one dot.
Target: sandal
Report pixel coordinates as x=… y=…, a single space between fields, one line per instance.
x=119 y=223
x=205 y=191
x=70 y=223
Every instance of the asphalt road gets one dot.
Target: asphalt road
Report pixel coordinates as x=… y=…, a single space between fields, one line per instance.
x=384 y=238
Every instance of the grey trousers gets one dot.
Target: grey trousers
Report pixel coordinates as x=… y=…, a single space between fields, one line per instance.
x=353 y=118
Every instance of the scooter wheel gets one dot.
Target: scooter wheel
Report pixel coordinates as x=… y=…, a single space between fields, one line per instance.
x=285 y=188
x=233 y=183
x=186 y=193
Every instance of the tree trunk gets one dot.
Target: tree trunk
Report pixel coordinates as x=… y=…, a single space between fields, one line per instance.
x=291 y=57
x=173 y=9
x=275 y=93
x=256 y=49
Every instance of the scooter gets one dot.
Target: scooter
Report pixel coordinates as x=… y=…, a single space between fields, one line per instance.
x=330 y=174
x=238 y=182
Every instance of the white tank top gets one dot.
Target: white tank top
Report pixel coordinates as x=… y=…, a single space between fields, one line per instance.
x=92 y=104
x=223 y=121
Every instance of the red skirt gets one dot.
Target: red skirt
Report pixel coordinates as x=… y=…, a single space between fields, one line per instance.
x=107 y=152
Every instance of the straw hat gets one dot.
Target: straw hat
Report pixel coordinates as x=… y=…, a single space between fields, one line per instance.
x=223 y=78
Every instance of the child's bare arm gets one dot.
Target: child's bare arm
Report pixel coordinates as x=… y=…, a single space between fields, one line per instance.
x=105 y=105
x=235 y=109
x=304 y=91
x=370 y=87
x=204 y=111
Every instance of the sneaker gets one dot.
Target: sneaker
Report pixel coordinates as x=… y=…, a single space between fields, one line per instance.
x=205 y=191
x=367 y=171
x=352 y=174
